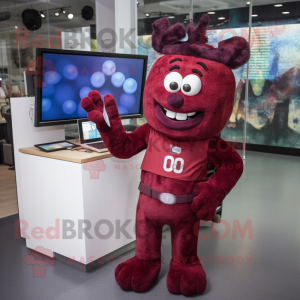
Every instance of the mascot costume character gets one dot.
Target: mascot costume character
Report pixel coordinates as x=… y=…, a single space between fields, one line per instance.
x=188 y=99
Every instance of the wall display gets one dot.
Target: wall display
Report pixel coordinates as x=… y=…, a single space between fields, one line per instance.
x=145 y=48
x=274 y=91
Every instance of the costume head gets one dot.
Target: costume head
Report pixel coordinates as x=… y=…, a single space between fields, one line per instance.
x=189 y=93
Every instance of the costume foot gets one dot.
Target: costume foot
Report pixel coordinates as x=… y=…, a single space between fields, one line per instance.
x=186 y=279
x=136 y=274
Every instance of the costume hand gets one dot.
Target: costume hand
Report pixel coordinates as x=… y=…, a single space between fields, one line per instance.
x=94 y=107
x=206 y=202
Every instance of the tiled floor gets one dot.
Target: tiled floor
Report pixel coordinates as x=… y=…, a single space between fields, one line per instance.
x=267 y=196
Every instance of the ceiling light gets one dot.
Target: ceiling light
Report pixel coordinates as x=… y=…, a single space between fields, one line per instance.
x=42 y=15
x=285 y=12
x=221 y=18
x=56 y=14
x=254 y=16
x=278 y=5
x=210 y=25
x=147 y=15
x=16 y=27
x=70 y=16
x=248 y=3
x=171 y=17
x=211 y=13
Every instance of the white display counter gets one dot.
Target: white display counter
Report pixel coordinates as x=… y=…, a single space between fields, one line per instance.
x=75 y=205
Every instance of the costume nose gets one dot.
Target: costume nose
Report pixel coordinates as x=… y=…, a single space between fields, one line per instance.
x=175 y=100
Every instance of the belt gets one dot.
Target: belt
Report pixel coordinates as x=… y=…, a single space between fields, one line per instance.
x=165 y=198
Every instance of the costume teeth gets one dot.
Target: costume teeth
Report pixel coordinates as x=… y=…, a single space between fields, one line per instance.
x=178 y=116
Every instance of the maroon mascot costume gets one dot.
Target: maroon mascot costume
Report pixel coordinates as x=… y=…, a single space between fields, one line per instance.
x=188 y=99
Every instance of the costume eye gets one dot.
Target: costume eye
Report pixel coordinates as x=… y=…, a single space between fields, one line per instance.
x=191 y=85
x=172 y=82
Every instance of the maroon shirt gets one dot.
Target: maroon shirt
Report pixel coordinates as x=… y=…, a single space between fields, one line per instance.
x=185 y=161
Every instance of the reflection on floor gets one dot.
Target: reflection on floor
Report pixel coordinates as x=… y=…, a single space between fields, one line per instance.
x=8 y=193
x=266 y=266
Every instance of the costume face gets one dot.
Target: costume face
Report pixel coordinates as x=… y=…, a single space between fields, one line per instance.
x=188 y=98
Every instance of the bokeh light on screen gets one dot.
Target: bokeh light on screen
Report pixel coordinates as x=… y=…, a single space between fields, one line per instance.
x=84 y=92
x=109 y=68
x=61 y=62
x=69 y=107
x=83 y=80
x=97 y=79
x=122 y=110
x=118 y=79
x=63 y=92
x=104 y=91
x=127 y=101
x=52 y=77
x=48 y=90
x=81 y=112
x=130 y=86
x=70 y=72
x=46 y=104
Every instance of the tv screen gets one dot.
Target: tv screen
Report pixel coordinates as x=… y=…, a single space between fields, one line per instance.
x=67 y=76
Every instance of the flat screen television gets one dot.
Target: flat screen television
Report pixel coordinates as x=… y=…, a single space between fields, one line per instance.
x=64 y=77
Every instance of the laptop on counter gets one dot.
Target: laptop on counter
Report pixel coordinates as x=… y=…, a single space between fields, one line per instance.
x=89 y=136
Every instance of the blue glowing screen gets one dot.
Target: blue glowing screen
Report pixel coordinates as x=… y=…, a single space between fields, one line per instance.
x=71 y=77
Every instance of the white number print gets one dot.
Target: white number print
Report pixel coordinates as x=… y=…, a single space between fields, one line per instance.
x=173 y=164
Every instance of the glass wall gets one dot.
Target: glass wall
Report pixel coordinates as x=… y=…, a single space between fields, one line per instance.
x=267 y=107
x=28 y=25
x=227 y=19
x=231 y=18
x=58 y=24
x=274 y=92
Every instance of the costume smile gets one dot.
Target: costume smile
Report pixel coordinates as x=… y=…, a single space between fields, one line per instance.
x=176 y=120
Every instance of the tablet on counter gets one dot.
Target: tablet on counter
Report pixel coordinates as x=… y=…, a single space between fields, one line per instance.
x=55 y=146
